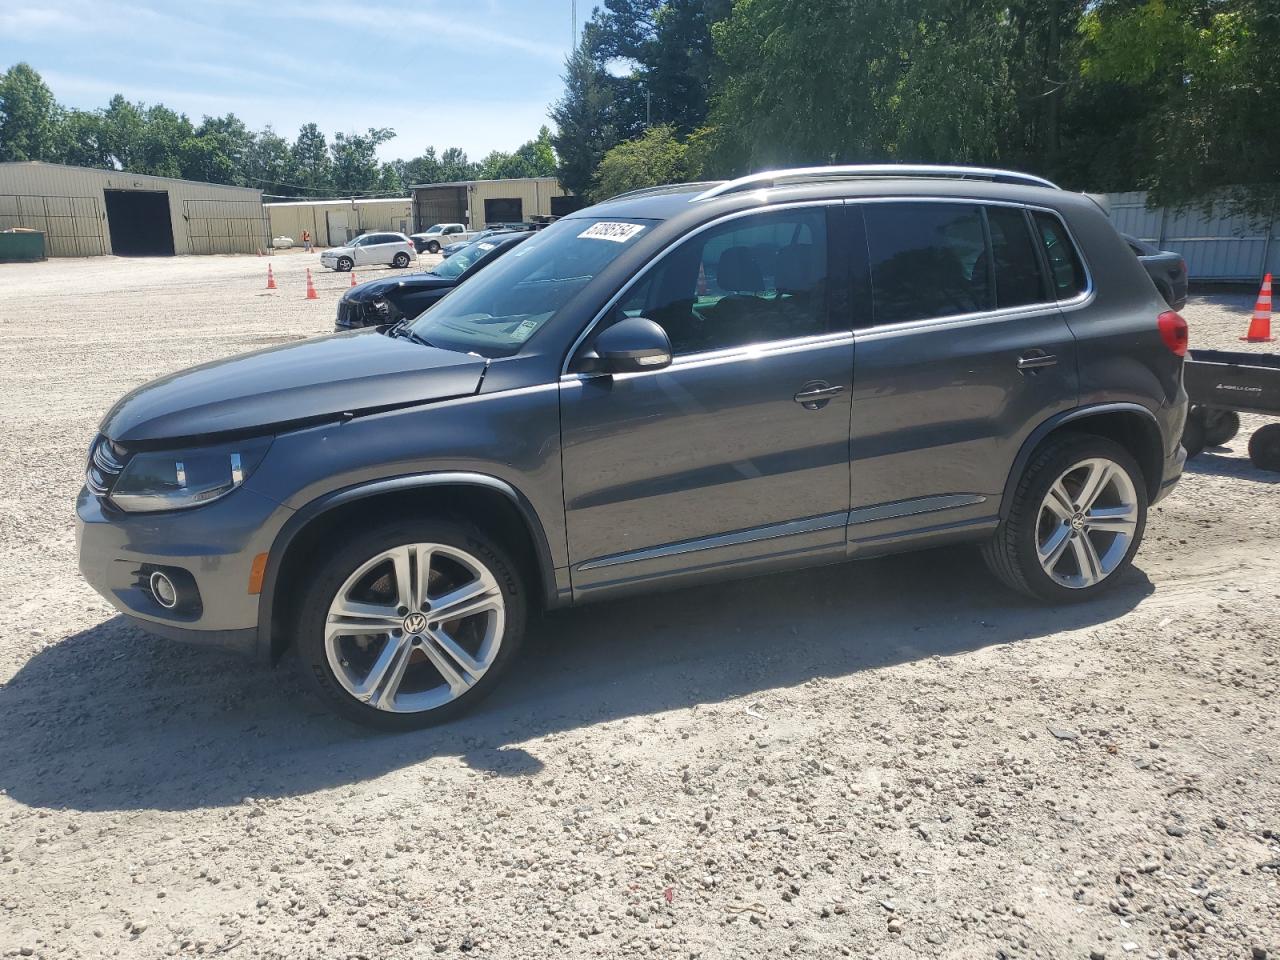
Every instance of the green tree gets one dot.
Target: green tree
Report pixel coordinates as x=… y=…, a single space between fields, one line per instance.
x=82 y=139
x=311 y=164
x=655 y=157
x=534 y=158
x=584 y=121
x=355 y=160
x=268 y=164
x=455 y=166
x=28 y=116
x=424 y=168
x=1207 y=78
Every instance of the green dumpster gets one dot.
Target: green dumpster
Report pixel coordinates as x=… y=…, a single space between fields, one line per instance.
x=21 y=245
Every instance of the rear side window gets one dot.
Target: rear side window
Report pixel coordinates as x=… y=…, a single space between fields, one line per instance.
x=1018 y=280
x=1064 y=262
x=927 y=260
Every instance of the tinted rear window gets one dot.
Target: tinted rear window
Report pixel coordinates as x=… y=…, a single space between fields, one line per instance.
x=1065 y=269
x=1018 y=278
x=927 y=260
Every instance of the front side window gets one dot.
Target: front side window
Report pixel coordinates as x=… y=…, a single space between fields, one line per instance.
x=754 y=279
x=1064 y=263
x=927 y=260
x=494 y=313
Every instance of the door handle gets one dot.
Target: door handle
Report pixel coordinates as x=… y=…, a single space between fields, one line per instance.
x=817 y=394
x=1036 y=360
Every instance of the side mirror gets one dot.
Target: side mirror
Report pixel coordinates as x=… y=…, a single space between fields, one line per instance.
x=629 y=346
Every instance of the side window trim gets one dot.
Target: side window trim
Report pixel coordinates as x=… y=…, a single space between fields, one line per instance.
x=639 y=276
x=1029 y=209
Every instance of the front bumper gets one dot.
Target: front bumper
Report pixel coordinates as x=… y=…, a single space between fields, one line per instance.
x=209 y=549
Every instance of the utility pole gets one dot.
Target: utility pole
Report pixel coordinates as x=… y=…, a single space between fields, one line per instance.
x=573 y=20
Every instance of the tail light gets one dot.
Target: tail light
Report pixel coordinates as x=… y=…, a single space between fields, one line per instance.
x=1173 y=331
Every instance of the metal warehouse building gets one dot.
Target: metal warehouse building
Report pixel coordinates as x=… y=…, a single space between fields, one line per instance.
x=85 y=212
x=478 y=203
x=334 y=222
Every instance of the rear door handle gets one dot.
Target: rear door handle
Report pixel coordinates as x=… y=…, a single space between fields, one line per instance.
x=1035 y=360
x=817 y=394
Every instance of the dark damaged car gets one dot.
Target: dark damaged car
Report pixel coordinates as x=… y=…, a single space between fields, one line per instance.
x=395 y=298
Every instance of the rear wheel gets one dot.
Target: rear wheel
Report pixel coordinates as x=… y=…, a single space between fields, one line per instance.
x=1194 y=438
x=401 y=260
x=1077 y=518
x=1264 y=447
x=411 y=624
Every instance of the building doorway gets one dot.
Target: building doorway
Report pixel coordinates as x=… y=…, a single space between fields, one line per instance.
x=139 y=223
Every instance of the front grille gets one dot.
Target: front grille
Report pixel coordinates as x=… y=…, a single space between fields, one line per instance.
x=347 y=313
x=106 y=460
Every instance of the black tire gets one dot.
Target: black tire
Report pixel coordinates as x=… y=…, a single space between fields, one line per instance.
x=1220 y=426
x=1011 y=553
x=433 y=247
x=1264 y=447
x=329 y=575
x=344 y=264
x=400 y=260
x=1194 y=439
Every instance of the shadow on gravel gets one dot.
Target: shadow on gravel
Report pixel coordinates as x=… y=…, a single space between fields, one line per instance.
x=112 y=719
x=1223 y=462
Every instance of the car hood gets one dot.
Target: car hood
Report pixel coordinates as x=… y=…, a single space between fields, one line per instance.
x=336 y=251
x=370 y=289
x=310 y=381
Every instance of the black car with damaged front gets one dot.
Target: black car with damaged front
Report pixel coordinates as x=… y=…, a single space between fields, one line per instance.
x=392 y=299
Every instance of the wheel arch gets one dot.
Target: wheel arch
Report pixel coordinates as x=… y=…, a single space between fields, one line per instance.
x=1131 y=425
x=490 y=502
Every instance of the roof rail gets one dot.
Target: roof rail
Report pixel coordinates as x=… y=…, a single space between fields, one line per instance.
x=770 y=178
x=660 y=189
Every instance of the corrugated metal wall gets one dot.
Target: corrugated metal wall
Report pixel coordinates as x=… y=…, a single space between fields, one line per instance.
x=464 y=202
x=1219 y=244
x=289 y=219
x=68 y=204
x=72 y=226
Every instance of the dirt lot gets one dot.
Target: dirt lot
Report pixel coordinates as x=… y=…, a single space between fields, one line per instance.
x=890 y=759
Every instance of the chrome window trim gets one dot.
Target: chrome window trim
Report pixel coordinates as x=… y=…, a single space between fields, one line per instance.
x=747 y=351
x=643 y=271
x=1081 y=299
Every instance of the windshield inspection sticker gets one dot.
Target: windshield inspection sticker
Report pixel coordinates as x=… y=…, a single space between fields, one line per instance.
x=617 y=232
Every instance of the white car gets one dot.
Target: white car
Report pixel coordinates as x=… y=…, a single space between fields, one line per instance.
x=437 y=235
x=392 y=249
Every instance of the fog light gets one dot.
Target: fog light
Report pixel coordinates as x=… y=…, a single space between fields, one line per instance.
x=163 y=590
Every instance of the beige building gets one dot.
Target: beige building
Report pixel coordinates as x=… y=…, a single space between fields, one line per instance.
x=479 y=203
x=334 y=222
x=86 y=212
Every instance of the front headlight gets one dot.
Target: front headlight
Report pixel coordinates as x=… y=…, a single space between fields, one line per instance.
x=177 y=479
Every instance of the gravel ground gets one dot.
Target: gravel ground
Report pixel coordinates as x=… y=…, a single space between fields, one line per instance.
x=888 y=759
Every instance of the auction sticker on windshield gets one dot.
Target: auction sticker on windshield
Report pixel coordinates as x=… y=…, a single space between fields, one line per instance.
x=617 y=232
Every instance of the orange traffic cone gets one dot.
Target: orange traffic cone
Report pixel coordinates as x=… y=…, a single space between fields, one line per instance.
x=271 y=280
x=353 y=278
x=311 y=287
x=1260 y=325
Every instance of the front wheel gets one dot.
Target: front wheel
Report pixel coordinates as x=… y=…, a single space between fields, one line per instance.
x=345 y=264
x=433 y=247
x=400 y=260
x=410 y=624
x=1077 y=518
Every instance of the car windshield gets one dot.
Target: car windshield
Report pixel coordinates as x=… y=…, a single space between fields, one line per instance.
x=473 y=252
x=504 y=305
x=432 y=231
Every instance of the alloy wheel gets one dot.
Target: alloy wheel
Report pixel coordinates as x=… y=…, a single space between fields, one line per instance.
x=414 y=627
x=1087 y=523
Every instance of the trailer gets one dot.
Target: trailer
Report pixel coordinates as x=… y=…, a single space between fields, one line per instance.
x=1222 y=385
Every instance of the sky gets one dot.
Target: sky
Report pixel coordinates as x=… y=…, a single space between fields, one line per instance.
x=478 y=74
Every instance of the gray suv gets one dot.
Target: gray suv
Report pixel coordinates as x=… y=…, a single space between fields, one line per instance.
x=683 y=383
